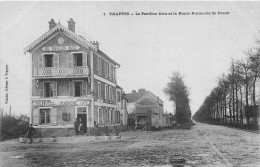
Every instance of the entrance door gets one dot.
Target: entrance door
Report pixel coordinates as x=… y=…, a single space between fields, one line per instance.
x=82 y=116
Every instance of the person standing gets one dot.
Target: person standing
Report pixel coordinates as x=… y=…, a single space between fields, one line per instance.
x=76 y=126
x=30 y=133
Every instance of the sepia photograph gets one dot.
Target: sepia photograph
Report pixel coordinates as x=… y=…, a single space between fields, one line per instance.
x=129 y=83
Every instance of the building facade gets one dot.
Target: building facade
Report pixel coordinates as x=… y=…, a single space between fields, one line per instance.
x=71 y=78
x=145 y=109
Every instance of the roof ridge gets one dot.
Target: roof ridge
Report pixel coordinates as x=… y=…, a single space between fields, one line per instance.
x=59 y=26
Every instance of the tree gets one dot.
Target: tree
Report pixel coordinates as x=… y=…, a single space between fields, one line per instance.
x=178 y=92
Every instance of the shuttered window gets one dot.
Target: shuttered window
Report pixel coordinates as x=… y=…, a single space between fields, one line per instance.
x=45 y=116
x=106 y=91
x=100 y=116
x=99 y=90
x=54 y=116
x=36 y=118
x=50 y=89
x=78 y=88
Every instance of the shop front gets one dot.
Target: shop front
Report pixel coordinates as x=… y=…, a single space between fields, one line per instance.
x=56 y=117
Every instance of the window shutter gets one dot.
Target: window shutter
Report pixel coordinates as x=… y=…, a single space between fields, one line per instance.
x=35 y=116
x=54 y=117
x=84 y=89
x=41 y=88
x=56 y=60
x=69 y=60
x=102 y=66
x=84 y=59
x=40 y=60
x=97 y=64
x=71 y=90
x=54 y=89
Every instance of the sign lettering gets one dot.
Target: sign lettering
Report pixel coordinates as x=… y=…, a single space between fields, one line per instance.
x=60 y=48
x=60 y=102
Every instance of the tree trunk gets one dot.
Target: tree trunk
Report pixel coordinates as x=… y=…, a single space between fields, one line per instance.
x=237 y=113
x=241 y=107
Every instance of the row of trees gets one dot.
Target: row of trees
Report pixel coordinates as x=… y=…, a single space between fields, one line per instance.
x=178 y=93
x=233 y=101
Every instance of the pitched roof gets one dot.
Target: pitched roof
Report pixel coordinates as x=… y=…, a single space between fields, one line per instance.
x=132 y=97
x=70 y=33
x=135 y=96
x=107 y=57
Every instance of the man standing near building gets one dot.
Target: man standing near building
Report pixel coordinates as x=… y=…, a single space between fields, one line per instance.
x=30 y=133
x=76 y=126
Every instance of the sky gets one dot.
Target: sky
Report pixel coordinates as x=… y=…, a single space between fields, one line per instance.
x=148 y=47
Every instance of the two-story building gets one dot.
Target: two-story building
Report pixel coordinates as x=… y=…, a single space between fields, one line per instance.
x=71 y=78
x=145 y=109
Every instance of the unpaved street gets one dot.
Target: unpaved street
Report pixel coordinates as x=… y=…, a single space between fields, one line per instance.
x=203 y=145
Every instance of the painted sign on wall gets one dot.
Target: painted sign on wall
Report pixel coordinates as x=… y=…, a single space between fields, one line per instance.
x=60 y=48
x=60 y=102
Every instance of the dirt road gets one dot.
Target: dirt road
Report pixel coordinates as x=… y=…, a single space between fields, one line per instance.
x=203 y=145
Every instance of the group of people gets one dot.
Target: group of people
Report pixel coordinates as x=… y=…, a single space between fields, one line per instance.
x=79 y=128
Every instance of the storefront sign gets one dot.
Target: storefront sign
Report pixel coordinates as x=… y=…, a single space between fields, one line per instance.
x=59 y=102
x=60 y=48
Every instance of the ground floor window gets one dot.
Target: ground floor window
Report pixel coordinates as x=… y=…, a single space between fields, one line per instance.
x=45 y=116
x=100 y=116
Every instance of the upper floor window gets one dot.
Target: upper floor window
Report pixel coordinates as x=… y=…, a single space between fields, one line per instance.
x=110 y=93
x=118 y=96
x=99 y=65
x=99 y=90
x=106 y=91
x=78 y=60
x=78 y=89
x=50 y=89
x=48 y=60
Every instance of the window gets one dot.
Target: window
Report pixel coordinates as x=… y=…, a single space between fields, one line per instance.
x=110 y=93
x=105 y=116
x=48 y=60
x=111 y=116
x=118 y=96
x=78 y=59
x=78 y=89
x=107 y=69
x=48 y=89
x=99 y=65
x=81 y=110
x=100 y=116
x=106 y=91
x=114 y=70
x=99 y=90
x=45 y=116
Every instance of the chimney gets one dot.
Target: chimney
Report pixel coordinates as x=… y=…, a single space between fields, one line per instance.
x=52 y=24
x=95 y=43
x=141 y=91
x=71 y=25
x=133 y=91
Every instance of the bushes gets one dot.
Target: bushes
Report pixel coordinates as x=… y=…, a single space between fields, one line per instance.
x=12 y=127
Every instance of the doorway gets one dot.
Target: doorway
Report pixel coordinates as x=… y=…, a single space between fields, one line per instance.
x=82 y=116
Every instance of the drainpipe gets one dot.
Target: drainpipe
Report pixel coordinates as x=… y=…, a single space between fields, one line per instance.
x=92 y=87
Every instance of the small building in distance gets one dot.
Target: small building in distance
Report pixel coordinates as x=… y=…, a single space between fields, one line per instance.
x=145 y=109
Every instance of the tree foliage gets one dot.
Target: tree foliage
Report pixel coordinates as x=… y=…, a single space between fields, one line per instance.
x=228 y=102
x=178 y=92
